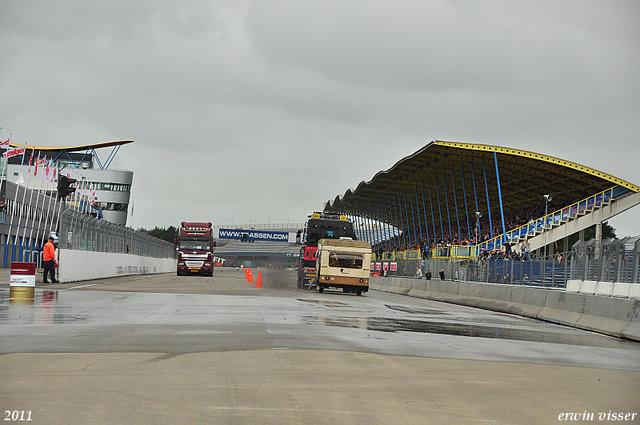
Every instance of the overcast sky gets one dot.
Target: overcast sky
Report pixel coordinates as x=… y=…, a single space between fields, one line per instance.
x=264 y=110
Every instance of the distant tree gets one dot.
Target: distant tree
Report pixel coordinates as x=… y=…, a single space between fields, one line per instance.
x=168 y=234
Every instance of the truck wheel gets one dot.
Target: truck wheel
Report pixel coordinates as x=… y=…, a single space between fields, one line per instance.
x=320 y=289
x=358 y=292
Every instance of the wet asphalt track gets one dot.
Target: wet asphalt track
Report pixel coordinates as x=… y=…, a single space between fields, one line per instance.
x=378 y=350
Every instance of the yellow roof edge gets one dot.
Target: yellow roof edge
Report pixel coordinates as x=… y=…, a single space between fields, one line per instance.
x=75 y=148
x=541 y=157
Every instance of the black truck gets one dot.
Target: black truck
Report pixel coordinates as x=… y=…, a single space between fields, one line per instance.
x=320 y=225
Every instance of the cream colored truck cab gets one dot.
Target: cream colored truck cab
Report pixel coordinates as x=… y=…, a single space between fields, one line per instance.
x=343 y=263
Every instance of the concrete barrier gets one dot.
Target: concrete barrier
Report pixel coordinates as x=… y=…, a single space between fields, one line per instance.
x=604 y=288
x=618 y=317
x=588 y=286
x=573 y=285
x=495 y=296
x=527 y=301
x=607 y=315
x=76 y=266
x=562 y=307
x=419 y=289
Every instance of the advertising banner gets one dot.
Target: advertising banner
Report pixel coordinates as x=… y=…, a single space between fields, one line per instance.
x=253 y=235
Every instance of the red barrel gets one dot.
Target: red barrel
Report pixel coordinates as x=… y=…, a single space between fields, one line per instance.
x=23 y=280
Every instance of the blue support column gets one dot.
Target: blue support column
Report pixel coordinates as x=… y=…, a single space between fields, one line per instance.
x=455 y=203
x=486 y=188
x=446 y=198
x=407 y=217
x=394 y=224
x=433 y=216
x=399 y=218
x=439 y=208
x=387 y=213
x=466 y=209
x=385 y=217
x=475 y=195
x=413 y=218
x=424 y=209
x=377 y=227
x=415 y=188
x=380 y=226
x=504 y=228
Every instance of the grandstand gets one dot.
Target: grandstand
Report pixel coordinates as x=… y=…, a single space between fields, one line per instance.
x=461 y=198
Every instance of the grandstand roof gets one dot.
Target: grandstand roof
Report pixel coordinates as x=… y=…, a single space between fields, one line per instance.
x=77 y=148
x=524 y=178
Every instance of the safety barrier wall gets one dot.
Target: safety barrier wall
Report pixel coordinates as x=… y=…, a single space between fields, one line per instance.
x=611 y=289
x=87 y=265
x=608 y=315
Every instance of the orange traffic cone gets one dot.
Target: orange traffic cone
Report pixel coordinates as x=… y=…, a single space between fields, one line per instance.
x=250 y=276
x=259 y=280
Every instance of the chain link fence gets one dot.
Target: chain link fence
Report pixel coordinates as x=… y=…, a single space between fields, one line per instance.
x=552 y=273
x=85 y=233
x=611 y=260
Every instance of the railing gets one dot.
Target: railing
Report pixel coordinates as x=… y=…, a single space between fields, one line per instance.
x=85 y=233
x=534 y=227
x=552 y=274
x=557 y=217
x=257 y=226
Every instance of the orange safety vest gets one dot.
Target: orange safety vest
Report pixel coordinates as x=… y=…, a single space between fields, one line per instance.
x=49 y=253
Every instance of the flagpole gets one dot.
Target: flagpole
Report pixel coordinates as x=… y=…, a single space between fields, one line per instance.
x=15 y=201
x=48 y=180
x=62 y=201
x=26 y=221
x=35 y=176
x=6 y=161
x=24 y=208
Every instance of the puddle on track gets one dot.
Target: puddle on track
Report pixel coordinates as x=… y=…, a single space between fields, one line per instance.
x=382 y=324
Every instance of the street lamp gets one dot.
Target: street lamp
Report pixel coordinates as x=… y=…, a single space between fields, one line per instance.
x=478 y=215
x=547 y=198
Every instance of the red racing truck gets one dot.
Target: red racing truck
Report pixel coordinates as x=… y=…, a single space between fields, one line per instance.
x=195 y=248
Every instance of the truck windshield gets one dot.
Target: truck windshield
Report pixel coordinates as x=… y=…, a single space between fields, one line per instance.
x=346 y=261
x=203 y=244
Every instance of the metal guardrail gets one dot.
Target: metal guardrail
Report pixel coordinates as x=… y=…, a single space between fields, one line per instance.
x=258 y=226
x=85 y=233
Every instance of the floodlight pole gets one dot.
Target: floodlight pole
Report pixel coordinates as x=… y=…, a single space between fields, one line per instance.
x=478 y=215
x=547 y=198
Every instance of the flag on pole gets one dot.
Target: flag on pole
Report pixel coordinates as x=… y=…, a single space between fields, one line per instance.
x=15 y=152
x=37 y=162
x=30 y=162
x=5 y=144
x=47 y=170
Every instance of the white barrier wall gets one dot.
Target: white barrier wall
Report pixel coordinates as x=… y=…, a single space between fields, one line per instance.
x=614 y=316
x=87 y=265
